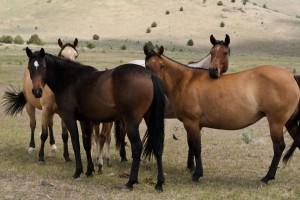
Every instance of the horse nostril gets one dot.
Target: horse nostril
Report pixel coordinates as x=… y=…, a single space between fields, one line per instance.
x=216 y=68
x=37 y=92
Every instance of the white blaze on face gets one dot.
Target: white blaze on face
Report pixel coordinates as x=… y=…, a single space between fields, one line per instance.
x=36 y=64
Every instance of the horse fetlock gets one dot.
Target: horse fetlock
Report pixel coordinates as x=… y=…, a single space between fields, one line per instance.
x=77 y=173
x=158 y=187
x=196 y=176
x=31 y=149
x=54 y=148
x=267 y=178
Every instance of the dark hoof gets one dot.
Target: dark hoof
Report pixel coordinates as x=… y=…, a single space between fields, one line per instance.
x=191 y=168
x=158 y=187
x=41 y=161
x=129 y=186
x=266 y=179
x=68 y=160
x=77 y=174
x=196 y=177
x=89 y=172
x=100 y=171
x=124 y=159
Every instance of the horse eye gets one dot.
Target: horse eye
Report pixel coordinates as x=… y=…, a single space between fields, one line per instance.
x=225 y=53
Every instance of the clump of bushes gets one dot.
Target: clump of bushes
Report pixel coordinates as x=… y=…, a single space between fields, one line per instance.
x=18 y=40
x=190 y=42
x=264 y=6
x=6 y=39
x=154 y=24
x=220 y=3
x=244 y=2
x=298 y=16
x=148 y=30
x=222 y=24
x=95 y=37
x=181 y=9
x=149 y=45
x=35 y=39
x=123 y=47
x=90 y=45
x=233 y=1
x=167 y=12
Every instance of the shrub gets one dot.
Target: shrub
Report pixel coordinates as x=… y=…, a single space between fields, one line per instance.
x=148 y=30
x=18 y=40
x=123 y=47
x=90 y=45
x=6 y=39
x=35 y=39
x=264 y=6
x=298 y=16
x=220 y=3
x=244 y=2
x=154 y=24
x=95 y=37
x=190 y=42
x=248 y=136
x=294 y=71
x=167 y=12
x=222 y=24
x=149 y=45
x=181 y=9
x=233 y=1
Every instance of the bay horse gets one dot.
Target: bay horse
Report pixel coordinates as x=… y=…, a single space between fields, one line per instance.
x=215 y=69
x=233 y=101
x=128 y=93
x=15 y=100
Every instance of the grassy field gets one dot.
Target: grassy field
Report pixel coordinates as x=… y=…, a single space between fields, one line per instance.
x=232 y=165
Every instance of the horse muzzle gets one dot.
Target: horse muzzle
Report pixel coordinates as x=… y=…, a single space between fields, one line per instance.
x=214 y=73
x=37 y=92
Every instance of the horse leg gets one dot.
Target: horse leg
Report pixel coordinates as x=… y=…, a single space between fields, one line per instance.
x=65 y=138
x=99 y=143
x=293 y=129
x=51 y=136
x=31 y=112
x=106 y=128
x=87 y=129
x=44 y=134
x=194 y=141
x=72 y=127
x=136 y=149
x=123 y=143
x=278 y=147
x=190 y=161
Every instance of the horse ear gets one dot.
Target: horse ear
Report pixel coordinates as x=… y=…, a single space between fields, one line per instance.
x=60 y=43
x=28 y=52
x=227 y=40
x=75 y=42
x=161 y=50
x=146 y=50
x=42 y=52
x=213 y=41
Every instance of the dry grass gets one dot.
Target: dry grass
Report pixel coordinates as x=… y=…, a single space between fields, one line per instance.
x=232 y=169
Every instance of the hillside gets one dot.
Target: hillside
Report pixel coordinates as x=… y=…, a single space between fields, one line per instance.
x=252 y=28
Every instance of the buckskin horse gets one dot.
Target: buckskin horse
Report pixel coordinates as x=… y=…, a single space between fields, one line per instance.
x=128 y=93
x=233 y=101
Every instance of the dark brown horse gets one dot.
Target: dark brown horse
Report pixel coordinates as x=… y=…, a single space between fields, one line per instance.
x=231 y=102
x=128 y=92
x=15 y=100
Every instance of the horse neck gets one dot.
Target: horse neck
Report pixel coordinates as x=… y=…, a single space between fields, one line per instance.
x=173 y=74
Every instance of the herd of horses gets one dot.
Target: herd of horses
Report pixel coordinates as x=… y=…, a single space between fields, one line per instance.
x=199 y=94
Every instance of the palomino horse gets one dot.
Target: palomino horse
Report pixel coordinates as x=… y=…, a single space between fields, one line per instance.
x=128 y=93
x=205 y=63
x=16 y=100
x=233 y=101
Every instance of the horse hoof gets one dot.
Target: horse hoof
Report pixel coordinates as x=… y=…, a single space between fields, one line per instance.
x=129 y=186
x=195 y=178
x=31 y=149
x=124 y=159
x=100 y=171
x=191 y=169
x=54 y=148
x=266 y=179
x=41 y=162
x=68 y=160
x=159 y=188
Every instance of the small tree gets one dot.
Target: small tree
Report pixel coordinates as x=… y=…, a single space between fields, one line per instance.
x=123 y=47
x=148 y=30
x=220 y=3
x=167 y=12
x=264 y=6
x=35 y=39
x=154 y=24
x=222 y=24
x=95 y=37
x=190 y=42
x=6 y=39
x=90 y=45
x=181 y=9
x=18 y=40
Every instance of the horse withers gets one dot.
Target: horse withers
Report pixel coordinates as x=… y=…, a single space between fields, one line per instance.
x=233 y=101
x=128 y=93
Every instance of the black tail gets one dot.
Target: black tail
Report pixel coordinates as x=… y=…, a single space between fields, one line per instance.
x=118 y=134
x=154 y=138
x=296 y=142
x=13 y=101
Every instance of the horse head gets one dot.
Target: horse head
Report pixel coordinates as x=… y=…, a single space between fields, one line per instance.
x=37 y=70
x=68 y=50
x=219 y=56
x=153 y=60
